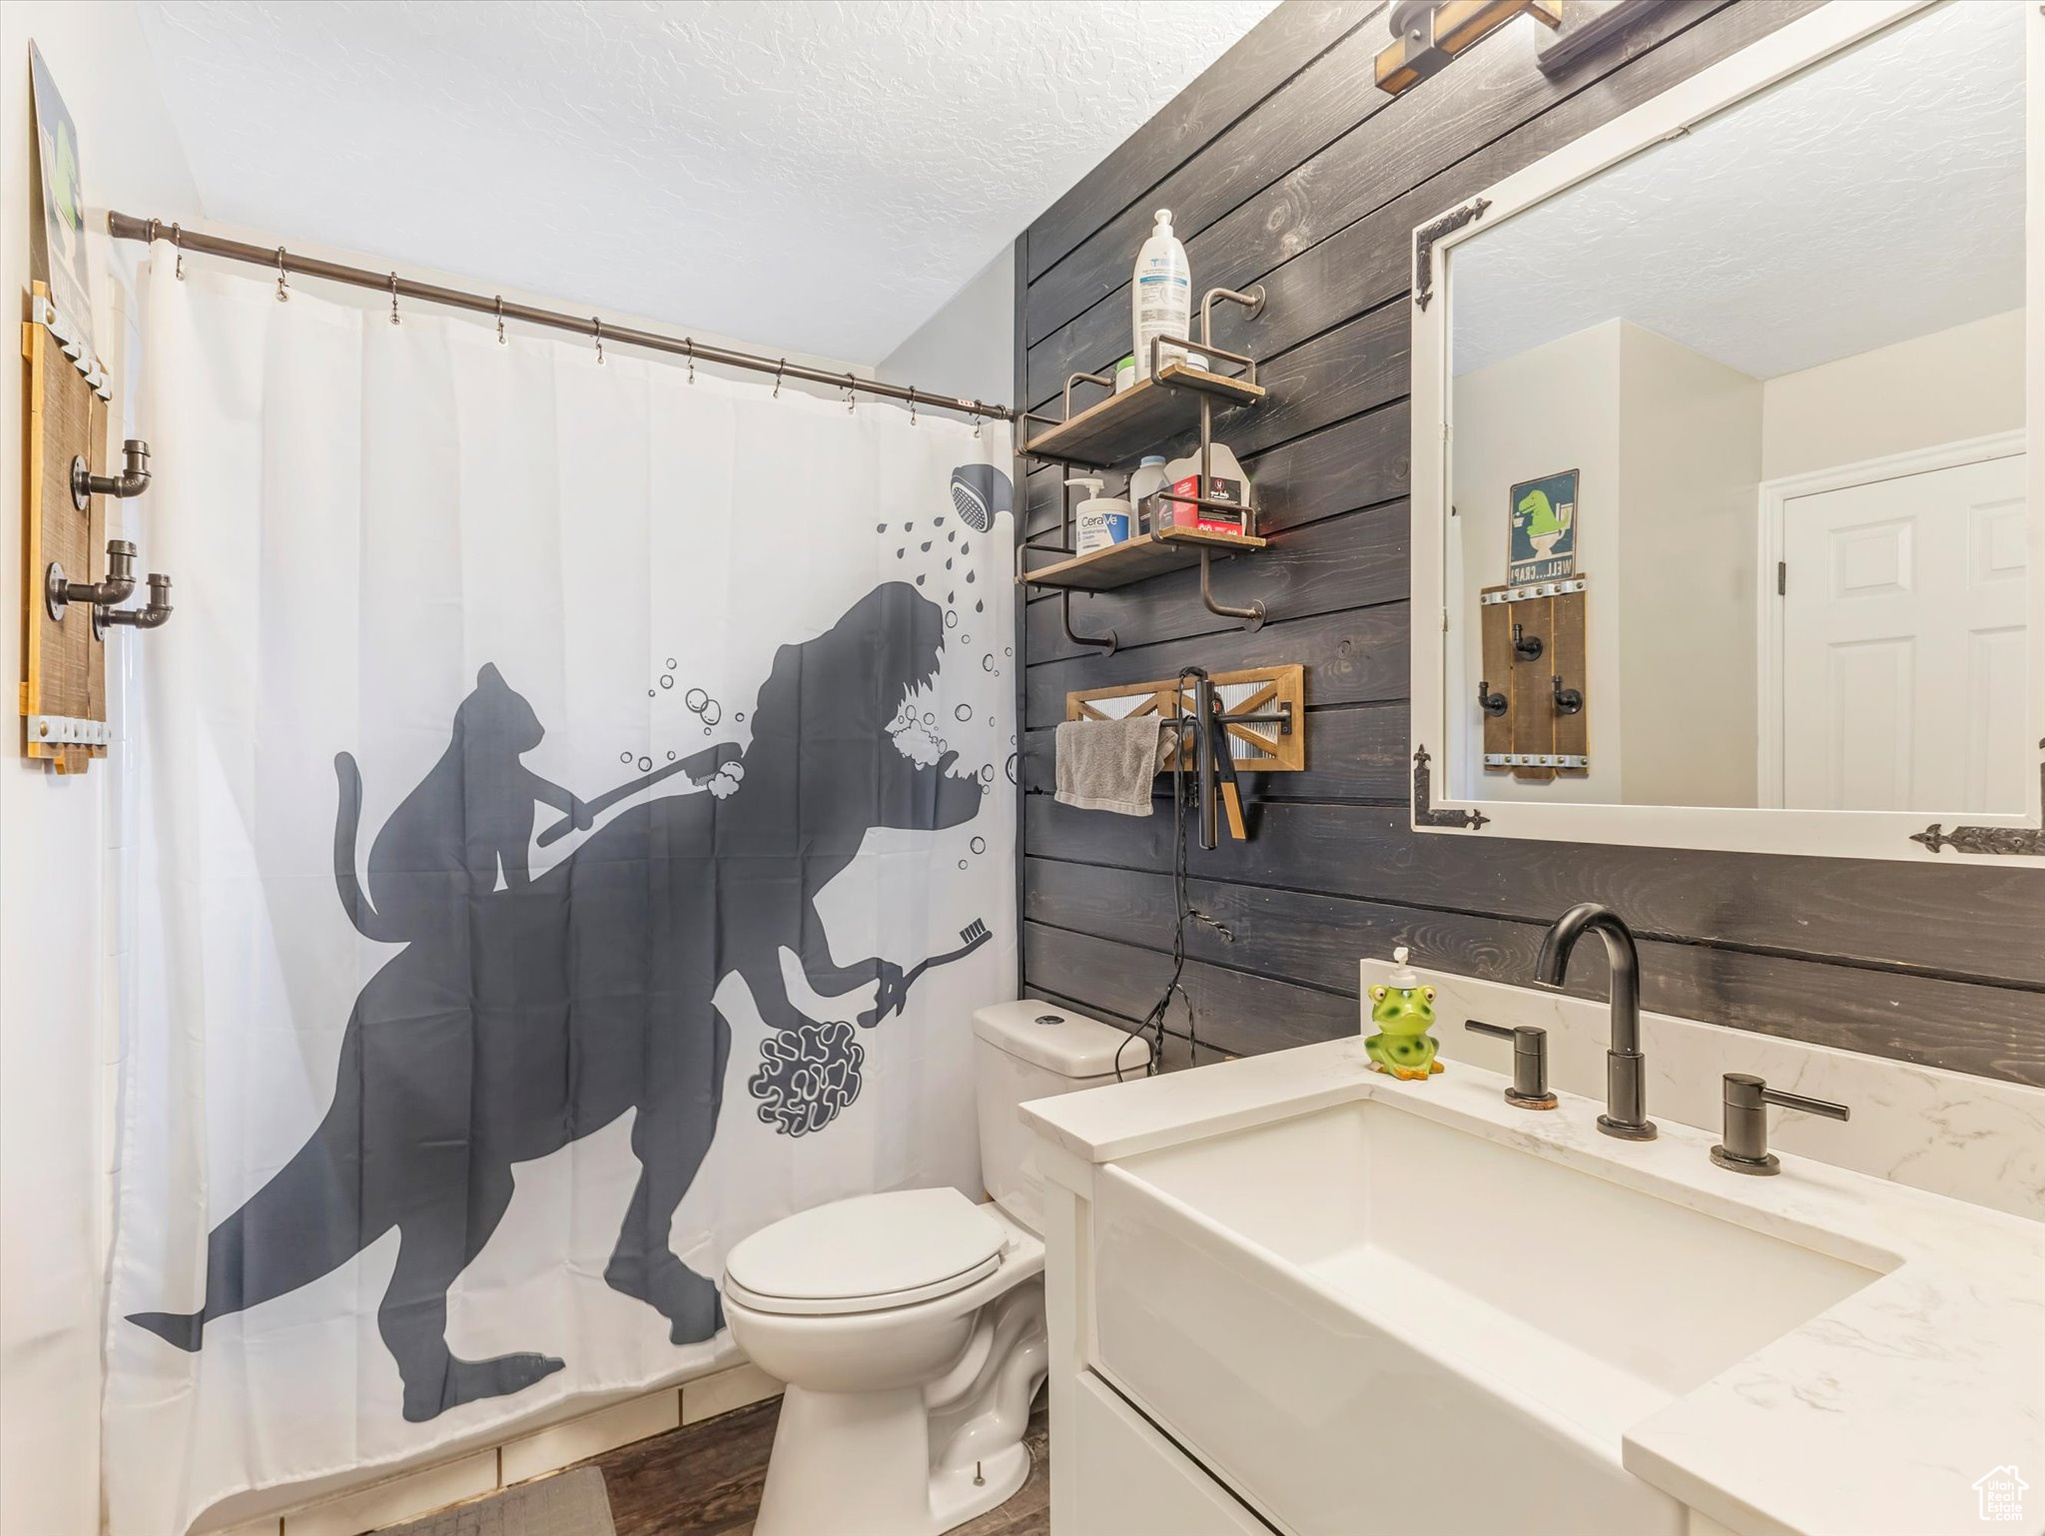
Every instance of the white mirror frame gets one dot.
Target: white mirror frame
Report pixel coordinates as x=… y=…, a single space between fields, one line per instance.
x=1982 y=839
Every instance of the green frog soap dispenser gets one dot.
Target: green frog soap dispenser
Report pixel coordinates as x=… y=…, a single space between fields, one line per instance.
x=1403 y=1011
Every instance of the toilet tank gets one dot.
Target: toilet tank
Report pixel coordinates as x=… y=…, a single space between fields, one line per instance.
x=1031 y=1050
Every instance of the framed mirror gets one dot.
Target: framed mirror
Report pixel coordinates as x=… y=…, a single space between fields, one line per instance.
x=1721 y=489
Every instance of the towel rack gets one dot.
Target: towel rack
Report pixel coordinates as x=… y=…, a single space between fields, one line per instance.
x=1263 y=710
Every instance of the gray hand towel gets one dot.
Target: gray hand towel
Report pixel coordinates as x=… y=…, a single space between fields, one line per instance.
x=1108 y=765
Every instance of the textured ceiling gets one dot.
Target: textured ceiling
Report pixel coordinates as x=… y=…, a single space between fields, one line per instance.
x=812 y=176
x=1873 y=199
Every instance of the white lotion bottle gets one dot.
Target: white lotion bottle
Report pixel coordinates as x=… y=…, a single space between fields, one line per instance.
x=1160 y=294
x=1149 y=479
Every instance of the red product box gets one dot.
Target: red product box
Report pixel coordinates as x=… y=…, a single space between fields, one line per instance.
x=1228 y=518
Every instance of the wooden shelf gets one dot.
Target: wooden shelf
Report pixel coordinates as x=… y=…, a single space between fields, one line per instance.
x=1141 y=419
x=1172 y=549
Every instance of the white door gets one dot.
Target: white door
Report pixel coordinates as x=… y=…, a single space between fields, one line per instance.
x=1903 y=670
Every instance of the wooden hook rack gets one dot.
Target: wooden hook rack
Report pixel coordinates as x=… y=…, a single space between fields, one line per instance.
x=1260 y=746
x=63 y=678
x=1536 y=722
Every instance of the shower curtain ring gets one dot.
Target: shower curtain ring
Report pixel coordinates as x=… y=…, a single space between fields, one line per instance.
x=283 y=288
x=177 y=243
x=976 y=419
x=689 y=345
x=912 y=405
x=851 y=399
x=500 y=319
x=597 y=329
x=394 y=298
x=779 y=369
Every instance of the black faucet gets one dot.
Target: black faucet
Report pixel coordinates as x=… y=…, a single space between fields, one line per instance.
x=1625 y=1113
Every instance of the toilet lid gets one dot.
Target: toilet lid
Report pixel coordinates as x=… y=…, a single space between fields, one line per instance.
x=866 y=1253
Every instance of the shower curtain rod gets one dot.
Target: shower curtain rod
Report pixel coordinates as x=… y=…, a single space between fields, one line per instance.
x=124 y=226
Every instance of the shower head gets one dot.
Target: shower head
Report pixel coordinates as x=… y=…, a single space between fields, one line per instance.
x=979 y=492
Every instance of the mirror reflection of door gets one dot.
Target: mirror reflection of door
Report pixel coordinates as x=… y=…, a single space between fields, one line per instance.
x=1793 y=332
x=1903 y=642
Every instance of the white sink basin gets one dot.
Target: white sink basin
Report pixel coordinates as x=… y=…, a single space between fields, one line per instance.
x=1408 y=1329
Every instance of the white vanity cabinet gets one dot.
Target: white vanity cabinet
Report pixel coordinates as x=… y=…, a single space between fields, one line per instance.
x=1114 y=1471
x=1290 y=1294
x=1129 y=1480
x=1244 y=1338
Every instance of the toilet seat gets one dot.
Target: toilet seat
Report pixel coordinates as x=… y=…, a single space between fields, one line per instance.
x=866 y=1254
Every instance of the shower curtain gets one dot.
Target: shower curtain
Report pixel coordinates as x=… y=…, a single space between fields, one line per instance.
x=568 y=826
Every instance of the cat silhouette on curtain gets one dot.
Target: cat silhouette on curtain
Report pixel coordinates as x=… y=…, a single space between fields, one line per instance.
x=471 y=817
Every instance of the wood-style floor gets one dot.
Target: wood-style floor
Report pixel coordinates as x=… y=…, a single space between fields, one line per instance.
x=704 y=1480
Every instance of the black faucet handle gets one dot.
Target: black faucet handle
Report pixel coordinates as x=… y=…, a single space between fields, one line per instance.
x=1529 y=1088
x=1747 y=1097
x=1823 y=1107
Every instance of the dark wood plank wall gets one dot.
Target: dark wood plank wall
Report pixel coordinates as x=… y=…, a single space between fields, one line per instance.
x=1284 y=165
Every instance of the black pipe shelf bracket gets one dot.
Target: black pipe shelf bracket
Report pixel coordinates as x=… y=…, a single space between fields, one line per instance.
x=1115 y=430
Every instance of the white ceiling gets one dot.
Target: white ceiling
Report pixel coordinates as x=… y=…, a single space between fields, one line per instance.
x=1873 y=199
x=815 y=176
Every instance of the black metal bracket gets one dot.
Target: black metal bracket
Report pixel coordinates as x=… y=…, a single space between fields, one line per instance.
x=1102 y=379
x=2014 y=842
x=1493 y=704
x=1568 y=701
x=1525 y=647
x=1023 y=419
x=1428 y=236
x=1024 y=548
x=1106 y=645
x=1252 y=616
x=1424 y=813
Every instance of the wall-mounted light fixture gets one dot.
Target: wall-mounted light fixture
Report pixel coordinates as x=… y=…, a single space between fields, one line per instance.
x=1426 y=34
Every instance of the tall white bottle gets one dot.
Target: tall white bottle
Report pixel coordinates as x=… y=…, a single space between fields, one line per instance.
x=1160 y=294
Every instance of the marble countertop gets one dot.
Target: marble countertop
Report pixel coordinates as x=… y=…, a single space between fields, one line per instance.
x=1975 y=1138
x=1875 y=1417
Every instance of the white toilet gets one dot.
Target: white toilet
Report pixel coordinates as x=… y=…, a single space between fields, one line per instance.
x=909 y=1326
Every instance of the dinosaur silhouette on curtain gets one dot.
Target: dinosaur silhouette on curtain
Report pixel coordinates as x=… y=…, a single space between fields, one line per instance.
x=525 y=1013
